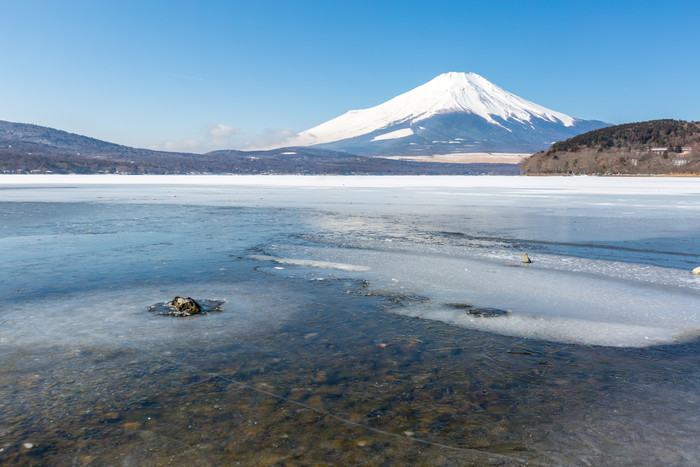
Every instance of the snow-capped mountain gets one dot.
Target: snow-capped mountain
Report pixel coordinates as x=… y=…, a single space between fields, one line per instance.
x=453 y=113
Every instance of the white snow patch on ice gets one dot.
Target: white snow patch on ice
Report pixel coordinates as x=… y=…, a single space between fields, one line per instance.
x=580 y=331
x=542 y=302
x=312 y=263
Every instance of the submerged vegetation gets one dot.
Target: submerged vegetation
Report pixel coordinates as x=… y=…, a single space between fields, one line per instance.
x=653 y=147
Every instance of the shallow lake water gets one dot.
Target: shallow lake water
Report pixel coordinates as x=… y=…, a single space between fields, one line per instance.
x=372 y=321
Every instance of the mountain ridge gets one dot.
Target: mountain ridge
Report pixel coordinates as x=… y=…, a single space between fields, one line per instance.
x=447 y=115
x=29 y=148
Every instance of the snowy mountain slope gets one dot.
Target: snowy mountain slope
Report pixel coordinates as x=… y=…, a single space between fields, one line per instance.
x=454 y=112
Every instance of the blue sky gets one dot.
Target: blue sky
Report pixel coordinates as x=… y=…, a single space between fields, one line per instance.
x=204 y=75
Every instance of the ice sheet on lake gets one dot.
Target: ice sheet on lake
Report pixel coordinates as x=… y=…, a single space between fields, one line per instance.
x=545 y=303
x=122 y=318
x=395 y=232
x=534 y=185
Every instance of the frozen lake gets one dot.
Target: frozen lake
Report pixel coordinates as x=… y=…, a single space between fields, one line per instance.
x=366 y=319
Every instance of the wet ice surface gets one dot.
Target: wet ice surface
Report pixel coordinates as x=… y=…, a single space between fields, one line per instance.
x=319 y=353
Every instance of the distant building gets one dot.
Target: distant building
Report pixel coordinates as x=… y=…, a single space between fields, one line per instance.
x=659 y=149
x=686 y=149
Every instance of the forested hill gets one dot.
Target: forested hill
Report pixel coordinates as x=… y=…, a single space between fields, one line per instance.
x=653 y=147
x=655 y=133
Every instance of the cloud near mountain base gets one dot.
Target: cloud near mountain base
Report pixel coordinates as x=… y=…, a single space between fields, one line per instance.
x=271 y=139
x=221 y=136
x=218 y=136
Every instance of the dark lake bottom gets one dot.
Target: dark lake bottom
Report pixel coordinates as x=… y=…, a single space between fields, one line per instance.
x=346 y=381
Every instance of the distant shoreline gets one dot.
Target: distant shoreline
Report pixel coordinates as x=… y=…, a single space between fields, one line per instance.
x=492 y=183
x=466 y=158
x=674 y=175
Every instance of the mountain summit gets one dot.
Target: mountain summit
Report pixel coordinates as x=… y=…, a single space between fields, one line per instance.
x=452 y=113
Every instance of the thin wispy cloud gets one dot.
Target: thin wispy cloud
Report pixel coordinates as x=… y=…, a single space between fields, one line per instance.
x=271 y=138
x=218 y=136
x=220 y=131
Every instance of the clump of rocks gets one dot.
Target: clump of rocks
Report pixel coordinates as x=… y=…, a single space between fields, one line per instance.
x=186 y=305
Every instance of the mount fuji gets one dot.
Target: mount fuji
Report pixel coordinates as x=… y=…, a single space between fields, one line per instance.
x=454 y=113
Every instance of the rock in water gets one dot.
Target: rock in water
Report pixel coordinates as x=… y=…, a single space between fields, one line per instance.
x=696 y=271
x=526 y=259
x=186 y=305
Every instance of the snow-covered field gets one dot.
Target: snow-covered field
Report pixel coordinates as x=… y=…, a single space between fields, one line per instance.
x=575 y=184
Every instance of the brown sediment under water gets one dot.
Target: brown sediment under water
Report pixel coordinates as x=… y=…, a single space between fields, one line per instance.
x=346 y=381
